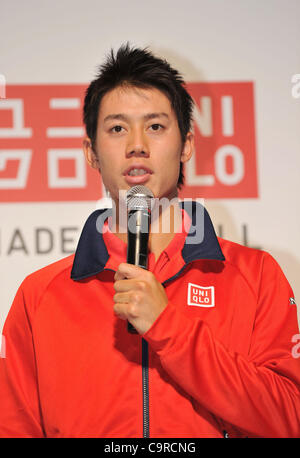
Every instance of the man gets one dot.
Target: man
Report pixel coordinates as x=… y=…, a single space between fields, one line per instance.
x=214 y=321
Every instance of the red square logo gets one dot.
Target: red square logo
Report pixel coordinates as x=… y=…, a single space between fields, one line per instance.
x=201 y=296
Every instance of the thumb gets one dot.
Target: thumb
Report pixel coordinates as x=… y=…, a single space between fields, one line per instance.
x=126 y=270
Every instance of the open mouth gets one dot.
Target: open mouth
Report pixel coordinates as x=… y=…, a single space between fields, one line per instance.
x=137 y=174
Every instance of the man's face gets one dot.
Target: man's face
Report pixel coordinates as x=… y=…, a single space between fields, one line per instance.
x=138 y=142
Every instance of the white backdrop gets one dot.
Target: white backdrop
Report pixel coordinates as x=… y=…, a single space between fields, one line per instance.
x=231 y=40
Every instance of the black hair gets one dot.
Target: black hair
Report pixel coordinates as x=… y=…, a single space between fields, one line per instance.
x=138 y=68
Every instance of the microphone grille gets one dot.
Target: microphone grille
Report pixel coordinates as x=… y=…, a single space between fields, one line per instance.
x=139 y=198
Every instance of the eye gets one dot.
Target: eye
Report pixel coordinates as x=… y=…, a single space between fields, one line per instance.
x=156 y=127
x=116 y=129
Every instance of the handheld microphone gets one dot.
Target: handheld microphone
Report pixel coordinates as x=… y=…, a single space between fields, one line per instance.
x=138 y=199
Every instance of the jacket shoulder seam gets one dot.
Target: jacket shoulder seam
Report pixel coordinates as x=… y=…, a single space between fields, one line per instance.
x=43 y=292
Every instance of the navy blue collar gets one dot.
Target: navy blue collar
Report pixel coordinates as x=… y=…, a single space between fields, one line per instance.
x=91 y=254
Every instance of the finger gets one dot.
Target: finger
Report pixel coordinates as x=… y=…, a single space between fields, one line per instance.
x=128 y=271
x=120 y=311
x=126 y=310
x=129 y=285
x=119 y=276
x=121 y=298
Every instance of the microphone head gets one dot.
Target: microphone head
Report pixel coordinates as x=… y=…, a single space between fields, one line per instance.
x=139 y=198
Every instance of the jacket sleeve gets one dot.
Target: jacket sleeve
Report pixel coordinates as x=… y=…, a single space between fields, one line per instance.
x=20 y=410
x=257 y=394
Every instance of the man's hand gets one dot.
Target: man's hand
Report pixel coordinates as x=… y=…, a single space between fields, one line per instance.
x=139 y=297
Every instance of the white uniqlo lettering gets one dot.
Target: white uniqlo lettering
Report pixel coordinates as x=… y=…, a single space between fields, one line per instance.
x=24 y=158
x=202 y=296
x=200 y=292
x=18 y=130
x=200 y=300
x=203 y=117
x=192 y=179
x=203 y=120
x=238 y=172
x=63 y=103
x=65 y=132
x=227 y=116
x=54 y=180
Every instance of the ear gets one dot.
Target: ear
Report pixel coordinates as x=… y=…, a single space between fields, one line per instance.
x=90 y=155
x=188 y=148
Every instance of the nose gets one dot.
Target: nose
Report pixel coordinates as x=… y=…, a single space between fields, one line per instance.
x=137 y=144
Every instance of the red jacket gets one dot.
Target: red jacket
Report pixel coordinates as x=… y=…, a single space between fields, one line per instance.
x=218 y=358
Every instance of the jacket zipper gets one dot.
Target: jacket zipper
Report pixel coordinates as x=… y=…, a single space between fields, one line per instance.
x=145 y=381
x=145 y=378
x=145 y=371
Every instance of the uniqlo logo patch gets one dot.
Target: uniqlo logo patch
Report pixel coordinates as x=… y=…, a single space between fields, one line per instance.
x=201 y=296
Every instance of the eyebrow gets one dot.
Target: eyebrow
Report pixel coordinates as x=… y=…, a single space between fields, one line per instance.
x=124 y=117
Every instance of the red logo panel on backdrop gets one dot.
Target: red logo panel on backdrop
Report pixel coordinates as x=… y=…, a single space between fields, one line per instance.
x=41 y=135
